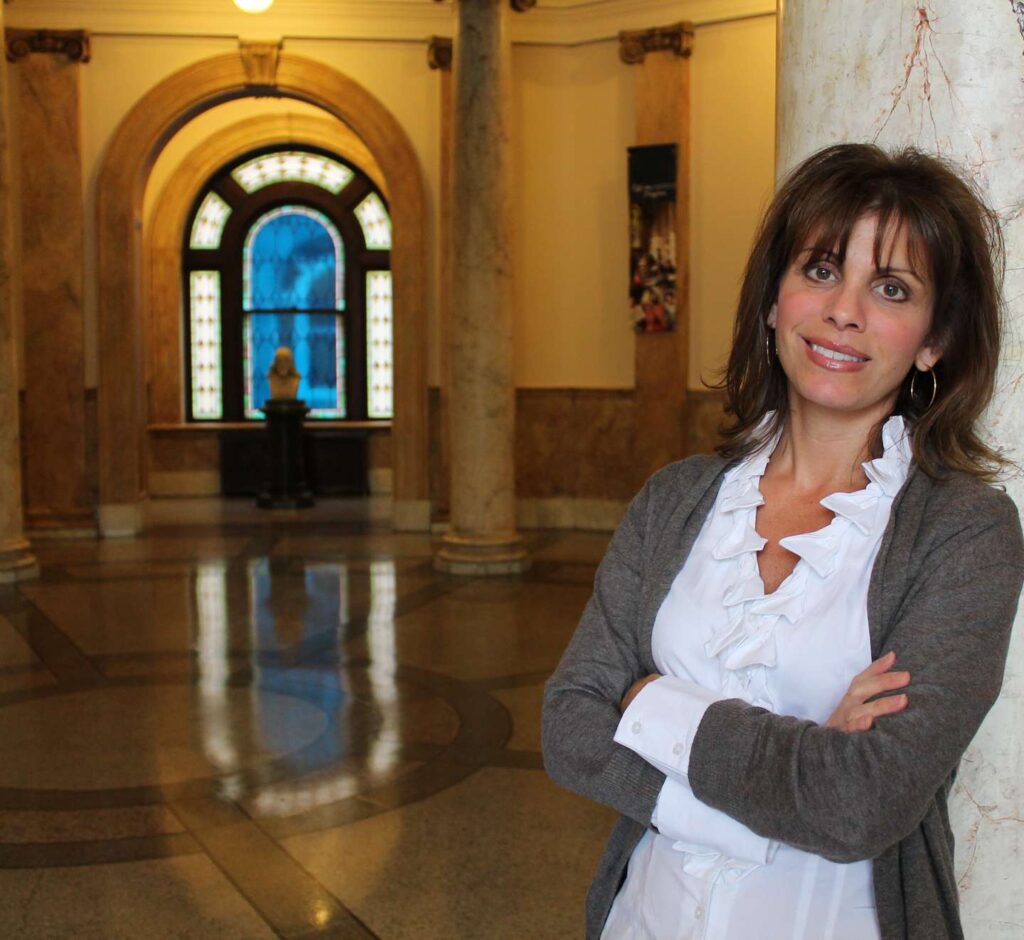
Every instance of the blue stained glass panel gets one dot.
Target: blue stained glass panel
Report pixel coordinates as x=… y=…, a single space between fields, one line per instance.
x=293 y=261
x=317 y=342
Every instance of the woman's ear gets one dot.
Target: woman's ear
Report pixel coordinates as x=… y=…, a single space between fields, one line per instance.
x=927 y=357
x=773 y=316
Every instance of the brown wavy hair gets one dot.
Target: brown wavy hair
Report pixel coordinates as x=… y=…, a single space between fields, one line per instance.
x=951 y=234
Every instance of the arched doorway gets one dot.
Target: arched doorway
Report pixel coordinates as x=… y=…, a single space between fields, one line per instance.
x=122 y=410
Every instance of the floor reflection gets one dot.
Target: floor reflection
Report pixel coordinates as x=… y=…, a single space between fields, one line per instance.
x=291 y=730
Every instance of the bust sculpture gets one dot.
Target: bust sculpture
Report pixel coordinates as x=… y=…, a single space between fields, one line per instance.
x=283 y=376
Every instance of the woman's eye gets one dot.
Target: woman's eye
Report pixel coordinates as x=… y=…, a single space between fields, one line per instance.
x=892 y=291
x=819 y=272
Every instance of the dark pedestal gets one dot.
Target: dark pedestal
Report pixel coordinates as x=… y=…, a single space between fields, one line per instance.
x=286 y=487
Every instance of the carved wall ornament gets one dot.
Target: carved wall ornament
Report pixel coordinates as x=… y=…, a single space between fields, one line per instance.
x=259 y=59
x=439 y=53
x=74 y=43
x=634 y=45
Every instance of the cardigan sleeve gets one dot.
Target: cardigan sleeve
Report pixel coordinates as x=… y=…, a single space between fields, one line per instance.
x=581 y=705
x=851 y=796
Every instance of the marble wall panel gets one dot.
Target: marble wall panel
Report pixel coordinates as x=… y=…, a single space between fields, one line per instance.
x=579 y=445
x=705 y=413
x=52 y=260
x=947 y=77
x=178 y=451
x=576 y=442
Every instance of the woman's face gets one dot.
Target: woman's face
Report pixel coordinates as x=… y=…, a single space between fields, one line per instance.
x=847 y=334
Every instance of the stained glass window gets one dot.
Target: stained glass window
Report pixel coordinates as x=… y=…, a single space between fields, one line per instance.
x=292 y=272
x=280 y=279
x=204 y=311
x=293 y=260
x=375 y=222
x=379 y=346
x=210 y=221
x=293 y=166
x=317 y=342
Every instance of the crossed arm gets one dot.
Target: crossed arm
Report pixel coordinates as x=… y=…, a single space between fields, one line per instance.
x=817 y=787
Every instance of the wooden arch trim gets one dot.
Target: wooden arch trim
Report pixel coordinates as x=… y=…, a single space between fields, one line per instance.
x=121 y=396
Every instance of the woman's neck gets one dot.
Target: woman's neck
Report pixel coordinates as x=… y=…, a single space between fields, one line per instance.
x=822 y=451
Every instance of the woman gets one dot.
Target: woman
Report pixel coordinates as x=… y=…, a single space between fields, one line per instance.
x=791 y=644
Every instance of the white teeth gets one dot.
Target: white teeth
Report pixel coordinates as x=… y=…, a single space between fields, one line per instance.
x=832 y=354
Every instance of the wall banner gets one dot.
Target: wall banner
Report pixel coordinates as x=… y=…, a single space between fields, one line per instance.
x=652 y=238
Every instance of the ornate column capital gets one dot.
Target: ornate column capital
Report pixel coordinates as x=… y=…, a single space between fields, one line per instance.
x=259 y=59
x=634 y=45
x=439 y=53
x=74 y=43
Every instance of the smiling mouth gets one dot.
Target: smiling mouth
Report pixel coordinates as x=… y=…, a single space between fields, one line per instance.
x=834 y=354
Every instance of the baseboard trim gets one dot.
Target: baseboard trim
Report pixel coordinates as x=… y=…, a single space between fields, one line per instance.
x=568 y=512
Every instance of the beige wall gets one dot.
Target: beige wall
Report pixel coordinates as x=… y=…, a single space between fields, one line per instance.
x=731 y=172
x=572 y=120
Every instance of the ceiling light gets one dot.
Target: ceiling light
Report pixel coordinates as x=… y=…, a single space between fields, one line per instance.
x=253 y=6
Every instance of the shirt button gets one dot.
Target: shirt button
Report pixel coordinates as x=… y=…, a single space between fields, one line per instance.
x=636 y=727
x=699 y=913
x=677 y=750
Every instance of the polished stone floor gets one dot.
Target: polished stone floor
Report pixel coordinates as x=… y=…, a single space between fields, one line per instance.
x=249 y=725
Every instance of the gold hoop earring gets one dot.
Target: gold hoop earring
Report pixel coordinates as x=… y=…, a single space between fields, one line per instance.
x=935 y=386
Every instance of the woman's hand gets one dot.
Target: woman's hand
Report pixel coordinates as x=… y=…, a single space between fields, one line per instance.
x=634 y=690
x=855 y=712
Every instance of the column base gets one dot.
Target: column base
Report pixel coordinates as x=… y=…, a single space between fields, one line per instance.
x=120 y=520
x=477 y=556
x=17 y=563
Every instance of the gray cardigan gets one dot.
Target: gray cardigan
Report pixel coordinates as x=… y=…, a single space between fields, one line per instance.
x=943 y=594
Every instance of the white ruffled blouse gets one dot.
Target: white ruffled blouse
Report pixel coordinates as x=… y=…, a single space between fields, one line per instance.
x=701 y=875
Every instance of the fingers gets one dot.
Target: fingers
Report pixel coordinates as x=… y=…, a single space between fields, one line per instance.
x=863 y=717
x=880 y=665
x=869 y=687
x=878 y=678
x=863 y=723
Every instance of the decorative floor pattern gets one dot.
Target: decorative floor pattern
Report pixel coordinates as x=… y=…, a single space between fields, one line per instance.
x=286 y=725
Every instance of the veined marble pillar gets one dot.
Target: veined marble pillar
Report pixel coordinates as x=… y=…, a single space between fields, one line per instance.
x=46 y=115
x=481 y=403
x=16 y=561
x=948 y=77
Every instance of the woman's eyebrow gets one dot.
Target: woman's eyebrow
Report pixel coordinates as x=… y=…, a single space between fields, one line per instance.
x=888 y=269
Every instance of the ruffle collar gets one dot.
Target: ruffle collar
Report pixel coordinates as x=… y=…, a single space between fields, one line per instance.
x=748 y=641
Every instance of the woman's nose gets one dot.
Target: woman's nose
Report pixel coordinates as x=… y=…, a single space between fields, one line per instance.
x=845 y=308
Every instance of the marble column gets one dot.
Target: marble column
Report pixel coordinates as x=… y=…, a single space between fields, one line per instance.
x=481 y=405
x=16 y=561
x=46 y=115
x=947 y=77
